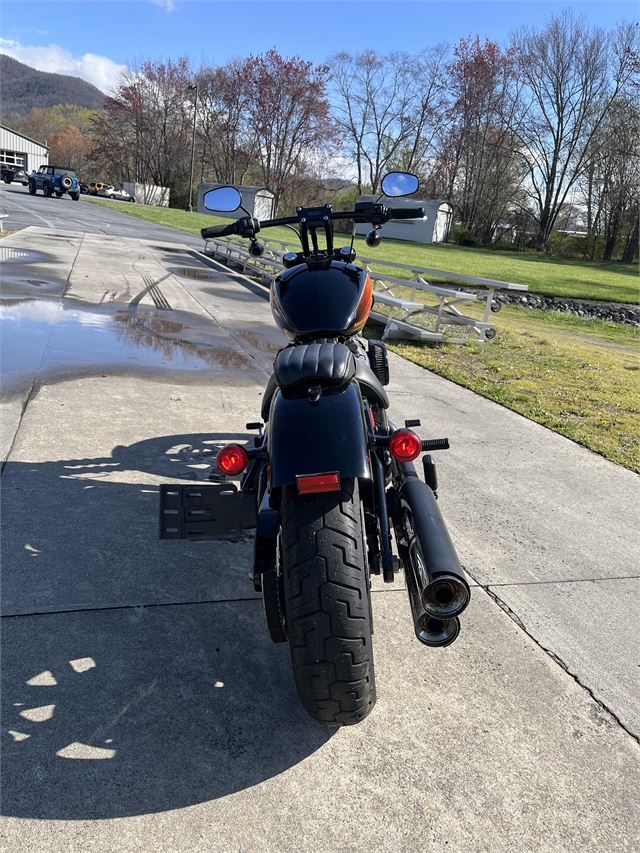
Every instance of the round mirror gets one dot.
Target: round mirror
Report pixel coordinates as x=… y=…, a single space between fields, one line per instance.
x=396 y=184
x=222 y=198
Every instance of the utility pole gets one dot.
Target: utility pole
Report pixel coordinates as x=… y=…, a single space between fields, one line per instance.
x=193 y=88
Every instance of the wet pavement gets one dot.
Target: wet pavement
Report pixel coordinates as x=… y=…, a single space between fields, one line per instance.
x=144 y=706
x=64 y=339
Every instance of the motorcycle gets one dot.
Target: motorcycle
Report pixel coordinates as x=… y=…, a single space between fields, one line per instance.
x=329 y=484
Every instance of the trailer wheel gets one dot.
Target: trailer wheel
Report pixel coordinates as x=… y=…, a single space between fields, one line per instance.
x=326 y=591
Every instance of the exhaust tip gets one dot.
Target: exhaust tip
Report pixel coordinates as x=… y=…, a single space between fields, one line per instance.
x=445 y=597
x=437 y=632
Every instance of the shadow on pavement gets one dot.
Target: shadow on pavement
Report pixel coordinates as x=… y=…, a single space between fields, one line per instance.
x=82 y=534
x=162 y=689
x=124 y=712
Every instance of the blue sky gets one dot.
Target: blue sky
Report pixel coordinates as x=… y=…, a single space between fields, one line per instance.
x=93 y=40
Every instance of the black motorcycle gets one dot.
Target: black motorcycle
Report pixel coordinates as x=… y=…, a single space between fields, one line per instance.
x=329 y=484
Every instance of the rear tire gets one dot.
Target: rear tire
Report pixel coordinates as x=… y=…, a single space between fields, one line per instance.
x=326 y=591
x=75 y=196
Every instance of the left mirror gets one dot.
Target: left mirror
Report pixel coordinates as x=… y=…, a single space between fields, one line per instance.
x=397 y=184
x=222 y=198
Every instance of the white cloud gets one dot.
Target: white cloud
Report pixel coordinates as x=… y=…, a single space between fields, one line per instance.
x=169 y=5
x=99 y=70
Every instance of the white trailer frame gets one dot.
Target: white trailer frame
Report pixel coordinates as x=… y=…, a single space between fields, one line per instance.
x=445 y=312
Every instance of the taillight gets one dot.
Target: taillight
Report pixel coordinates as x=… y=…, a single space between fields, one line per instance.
x=232 y=459
x=404 y=445
x=311 y=484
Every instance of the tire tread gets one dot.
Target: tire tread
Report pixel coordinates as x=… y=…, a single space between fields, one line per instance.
x=327 y=606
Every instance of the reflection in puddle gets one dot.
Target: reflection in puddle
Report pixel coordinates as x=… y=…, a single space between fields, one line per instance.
x=64 y=338
x=7 y=254
x=193 y=272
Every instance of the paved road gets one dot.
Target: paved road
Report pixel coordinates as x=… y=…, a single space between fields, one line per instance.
x=24 y=210
x=138 y=681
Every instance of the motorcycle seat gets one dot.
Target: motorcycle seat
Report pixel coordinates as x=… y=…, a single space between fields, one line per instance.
x=323 y=364
x=327 y=365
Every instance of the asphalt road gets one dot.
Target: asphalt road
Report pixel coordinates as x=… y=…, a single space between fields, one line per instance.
x=24 y=210
x=144 y=707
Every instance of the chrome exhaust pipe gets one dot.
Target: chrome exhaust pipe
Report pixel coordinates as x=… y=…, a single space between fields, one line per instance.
x=444 y=591
x=430 y=630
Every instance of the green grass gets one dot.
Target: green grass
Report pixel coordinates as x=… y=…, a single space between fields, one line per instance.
x=579 y=378
x=181 y=220
x=576 y=279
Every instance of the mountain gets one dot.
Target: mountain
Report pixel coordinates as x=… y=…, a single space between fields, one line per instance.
x=24 y=88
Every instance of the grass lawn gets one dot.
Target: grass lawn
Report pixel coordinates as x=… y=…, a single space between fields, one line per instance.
x=613 y=282
x=580 y=378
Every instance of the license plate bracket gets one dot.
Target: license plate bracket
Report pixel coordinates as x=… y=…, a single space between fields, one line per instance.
x=200 y=512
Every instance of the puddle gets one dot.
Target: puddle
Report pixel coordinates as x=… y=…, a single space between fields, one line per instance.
x=194 y=272
x=63 y=339
x=17 y=285
x=7 y=254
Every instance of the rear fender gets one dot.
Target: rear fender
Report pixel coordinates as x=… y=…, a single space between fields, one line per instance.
x=308 y=437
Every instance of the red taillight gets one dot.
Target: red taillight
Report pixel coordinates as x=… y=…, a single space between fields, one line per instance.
x=232 y=459
x=404 y=445
x=313 y=483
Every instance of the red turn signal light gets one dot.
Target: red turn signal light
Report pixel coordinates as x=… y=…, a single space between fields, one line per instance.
x=313 y=483
x=404 y=445
x=232 y=459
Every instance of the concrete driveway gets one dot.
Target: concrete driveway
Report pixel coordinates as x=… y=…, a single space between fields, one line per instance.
x=145 y=707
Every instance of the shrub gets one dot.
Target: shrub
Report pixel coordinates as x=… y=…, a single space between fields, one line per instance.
x=461 y=235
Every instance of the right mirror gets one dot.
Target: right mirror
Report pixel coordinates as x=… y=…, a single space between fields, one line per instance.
x=397 y=184
x=222 y=198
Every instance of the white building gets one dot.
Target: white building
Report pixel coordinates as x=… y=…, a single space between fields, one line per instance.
x=257 y=200
x=16 y=149
x=434 y=228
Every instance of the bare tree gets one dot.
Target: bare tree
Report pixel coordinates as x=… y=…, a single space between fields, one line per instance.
x=144 y=131
x=611 y=179
x=388 y=108
x=571 y=75
x=287 y=117
x=227 y=146
x=484 y=170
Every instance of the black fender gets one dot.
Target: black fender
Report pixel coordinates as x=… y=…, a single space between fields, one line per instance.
x=318 y=437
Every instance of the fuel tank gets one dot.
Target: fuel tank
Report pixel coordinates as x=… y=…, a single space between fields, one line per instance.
x=313 y=300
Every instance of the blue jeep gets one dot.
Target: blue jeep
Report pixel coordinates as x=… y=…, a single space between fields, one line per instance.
x=55 y=180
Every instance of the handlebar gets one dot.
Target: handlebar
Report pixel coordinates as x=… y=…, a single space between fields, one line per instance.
x=377 y=214
x=406 y=212
x=219 y=230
